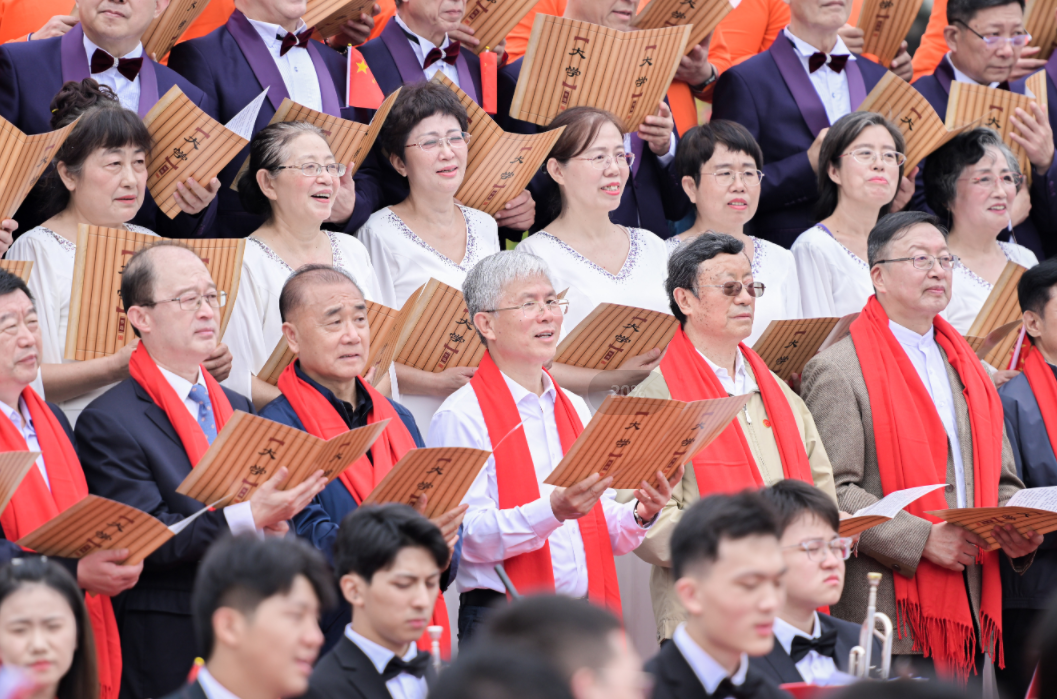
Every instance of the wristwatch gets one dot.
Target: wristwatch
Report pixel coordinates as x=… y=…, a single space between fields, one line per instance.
x=640 y=521
x=711 y=79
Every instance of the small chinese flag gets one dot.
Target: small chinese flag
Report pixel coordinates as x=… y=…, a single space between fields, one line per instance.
x=363 y=90
x=489 y=70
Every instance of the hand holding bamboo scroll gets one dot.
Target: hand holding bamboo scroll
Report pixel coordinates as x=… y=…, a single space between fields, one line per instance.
x=101 y=572
x=271 y=505
x=519 y=213
x=951 y=547
x=1015 y=544
x=651 y=499
x=577 y=500
x=694 y=67
x=1035 y=136
x=218 y=364
x=656 y=129
x=193 y=198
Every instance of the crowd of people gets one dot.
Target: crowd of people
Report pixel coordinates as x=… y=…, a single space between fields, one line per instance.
x=787 y=204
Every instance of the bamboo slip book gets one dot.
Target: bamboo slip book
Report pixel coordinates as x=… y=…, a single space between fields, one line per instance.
x=442 y=474
x=22 y=161
x=169 y=26
x=885 y=24
x=575 y=64
x=20 y=268
x=786 y=346
x=1040 y=21
x=250 y=450
x=612 y=334
x=327 y=16
x=992 y=109
x=983 y=346
x=884 y=510
x=14 y=465
x=1000 y=309
x=702 y=15
x=1030 y=509
x=435 y=331
x=499 y=165
x=492 y=20
x=631 y=439
x=97 y=325
x=189 y=144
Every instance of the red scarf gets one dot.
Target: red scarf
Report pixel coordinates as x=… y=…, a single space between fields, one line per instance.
x=516 y=480
x=34 y=504
x=146 y=373
x=1044 y=387
x=912 y=451
x=321 y=420
x=726 y=465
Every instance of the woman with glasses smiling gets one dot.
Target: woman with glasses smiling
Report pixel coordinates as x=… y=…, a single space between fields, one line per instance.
x=860 y=179
x=292 y=181
x=973 y=181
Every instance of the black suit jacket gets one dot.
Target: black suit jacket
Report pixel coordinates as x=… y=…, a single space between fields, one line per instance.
x=191 y=690
x=779 y=667
x=347 y=673
x=675 y=679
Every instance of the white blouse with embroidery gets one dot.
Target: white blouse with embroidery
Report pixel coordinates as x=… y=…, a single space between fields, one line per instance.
x=834 y=281
x=969 y=291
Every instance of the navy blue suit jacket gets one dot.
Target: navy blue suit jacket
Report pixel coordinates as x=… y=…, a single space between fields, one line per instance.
x=780 y=668
x=216 y=64
x=755 y=95
x=30 y=77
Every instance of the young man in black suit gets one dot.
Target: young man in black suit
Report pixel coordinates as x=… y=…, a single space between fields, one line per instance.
x=730 y=576
x=809 y=646
x=388 y=560
x=256 y=608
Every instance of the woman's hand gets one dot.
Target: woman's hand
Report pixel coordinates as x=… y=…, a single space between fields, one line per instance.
x=656 y=130
x=1035 y=136
x=853 y=37
x=905 y=191
x=519 y=213
x=645 y=362
x=344 y=199
x=1002 y=376
x=1026 y=65
x=218 y=364
x=452 y=379
x=901 y=64
x=7 y=234
x=1021 y=206
x=192 y=197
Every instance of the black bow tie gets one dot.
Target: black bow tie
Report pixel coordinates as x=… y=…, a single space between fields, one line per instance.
x=826 y=644
x=818 y=59
x=291 y=40
x=745 y=690
x=129 y=67
x=416 y=666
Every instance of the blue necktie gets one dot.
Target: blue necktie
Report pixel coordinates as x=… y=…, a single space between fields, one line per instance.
x=200 y=395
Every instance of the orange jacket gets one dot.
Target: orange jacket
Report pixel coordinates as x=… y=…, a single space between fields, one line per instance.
x=933 y=46
x=19 y=18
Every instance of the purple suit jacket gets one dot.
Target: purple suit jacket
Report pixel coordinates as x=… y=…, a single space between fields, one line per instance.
x=755 y=95
x=30 y=77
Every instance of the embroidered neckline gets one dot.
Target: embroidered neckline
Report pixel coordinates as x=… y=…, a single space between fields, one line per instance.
x=338 y=260
x=469 y=258
x=634 y=249
x=980 y=281
x=67 y=245
x=851 y=254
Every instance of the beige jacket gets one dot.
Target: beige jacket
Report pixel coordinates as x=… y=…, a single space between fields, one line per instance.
x=667 y=609
x=834 y=390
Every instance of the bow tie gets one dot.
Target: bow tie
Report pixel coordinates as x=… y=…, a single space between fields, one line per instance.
x=448 y=55
x=826 y=644
x=291 y=40
x=818 y=59
x=129 y=67
x=745 y=690
x=416 y=666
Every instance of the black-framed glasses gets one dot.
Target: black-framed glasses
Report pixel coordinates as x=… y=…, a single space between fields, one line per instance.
x=314 y=169
x=995 y=41
x=817 y=549
x=535 y=309
x=755 y=289
x=925 y=261
x=193 y=301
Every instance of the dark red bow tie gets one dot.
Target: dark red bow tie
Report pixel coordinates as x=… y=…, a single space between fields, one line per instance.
x=291 y=40
x=129 y=67
x=448 y=55
x=818 y=59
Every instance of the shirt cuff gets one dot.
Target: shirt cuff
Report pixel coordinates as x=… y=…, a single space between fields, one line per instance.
x=670 y=155
x=240 y=520
x=540 y=517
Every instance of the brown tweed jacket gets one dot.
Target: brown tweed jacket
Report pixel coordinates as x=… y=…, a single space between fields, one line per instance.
x=835 y=392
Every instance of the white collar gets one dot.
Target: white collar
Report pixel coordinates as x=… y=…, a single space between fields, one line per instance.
x=271 y=33
x=90 y=47
x=807 y=50
x=423 y=42
x=519 y=392
x=23 y=410
x=179 y=384
x=212 y=688
x=378 y=655
x=708 y=671
x=962 y=77
x=909 y=338
x=785 y=632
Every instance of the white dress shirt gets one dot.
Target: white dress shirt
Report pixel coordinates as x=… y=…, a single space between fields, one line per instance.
x=127 y=90
x=491 y=535
x=831 y=86
x=212 y=688
x=422 y=46
x=296 y=67
x=240 y=516
x=404 y=685
x=814 y=667
x=708 y=671
x=927 y=359
x=741 y=383
x=962 y=77
x=24 y=424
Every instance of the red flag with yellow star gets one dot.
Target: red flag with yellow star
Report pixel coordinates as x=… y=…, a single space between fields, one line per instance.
x=363 y=90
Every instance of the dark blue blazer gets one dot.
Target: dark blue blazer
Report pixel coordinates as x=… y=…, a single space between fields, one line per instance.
x=780 y=668
x=131 y=453
x=673 y=678
x=30 y=77
x=216 y=64
x=755 y=95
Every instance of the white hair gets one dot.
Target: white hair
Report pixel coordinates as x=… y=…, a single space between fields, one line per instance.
x=485 y=283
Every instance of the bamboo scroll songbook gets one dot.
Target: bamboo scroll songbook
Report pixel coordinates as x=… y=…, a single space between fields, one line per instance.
x=435 y=331
x=702 y=15
x=993 y=109
x=786 y=346
x=97 y=325
x=22 y=161
x=884 y=510
x=1040 y=20
x=1030 y=509
x=1001 y=308
x=499 y=165
x=611 y=334
x=20 y=268
x=885 y=24
x=169 y=26
x=250 y=450
x=575 y=64
x=492 y=20
x=631 y=439
x=983 y=346
x=327 y=16
x=442 y=474
x=189 y=144
x=14 y=465
x=922 y=128
x=1036 y=86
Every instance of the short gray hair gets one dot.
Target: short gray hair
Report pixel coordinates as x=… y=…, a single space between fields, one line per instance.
x=687 y=259
x=485 y=283
x=292 y=296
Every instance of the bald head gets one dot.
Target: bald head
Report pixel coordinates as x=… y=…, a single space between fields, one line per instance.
x=293 y=298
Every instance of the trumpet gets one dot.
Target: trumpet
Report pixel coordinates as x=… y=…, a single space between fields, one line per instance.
x=435 y=632
x=860 y=660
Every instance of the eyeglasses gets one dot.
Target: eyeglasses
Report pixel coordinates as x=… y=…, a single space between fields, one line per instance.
x=995 y=41
x=535 y=309
x=1009 y=179
x=868 y=156
x=602 y=162
x=925 y=261
x=755 y=289
x=460 y=140
x=314 y=169
x=192 y=302
x=725 y=178
x=816 y=549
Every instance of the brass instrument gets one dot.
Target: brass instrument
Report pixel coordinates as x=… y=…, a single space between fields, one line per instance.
x=860 y=660
x=435 y=633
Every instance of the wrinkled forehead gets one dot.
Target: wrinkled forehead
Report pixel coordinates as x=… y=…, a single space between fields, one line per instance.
x=921 y=239
x=522 y=289
x=724 y=267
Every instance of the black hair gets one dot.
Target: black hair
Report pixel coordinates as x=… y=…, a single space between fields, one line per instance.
x=686 y=260
x=1035 y=288
x=791 y=499
x=268 y=151
x=137 y=280
x=698 y=146
x=242 y=571
x=570 y=633
x=371 y=537
x=710 y=520
x=500 y=673
x=965 y=10
x=291 y=297
x=416 y=103
x=10 y=283
x=837 y=141
x=944 y=167
x=81 y=681
x=894 y=226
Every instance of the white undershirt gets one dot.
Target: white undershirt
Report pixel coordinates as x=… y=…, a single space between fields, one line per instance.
x=813 y=667
x=296 y=67
x=831 y=86
x=127 y=90
x=404 y=685
x=708 y=671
